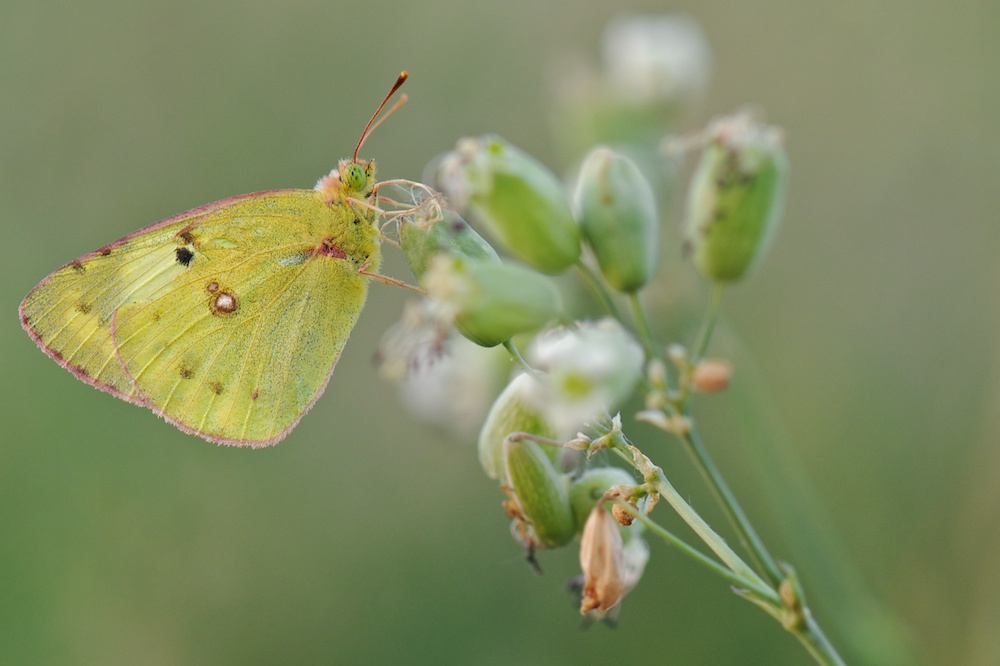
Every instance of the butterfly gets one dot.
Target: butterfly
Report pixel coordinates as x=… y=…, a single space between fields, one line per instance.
x=226 y=320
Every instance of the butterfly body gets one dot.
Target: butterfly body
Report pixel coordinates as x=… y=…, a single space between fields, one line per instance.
x=226 y=320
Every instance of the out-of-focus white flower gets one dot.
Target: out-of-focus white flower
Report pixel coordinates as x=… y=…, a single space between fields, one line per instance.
x=443 y=379
x=587 y=370
x=657 y=58
x=634 y=557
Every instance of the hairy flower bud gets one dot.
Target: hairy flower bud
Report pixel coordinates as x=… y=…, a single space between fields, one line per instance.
x=519 y=202
x=736 y=195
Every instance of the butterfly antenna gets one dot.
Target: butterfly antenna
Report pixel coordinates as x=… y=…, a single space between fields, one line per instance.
x=369 y=128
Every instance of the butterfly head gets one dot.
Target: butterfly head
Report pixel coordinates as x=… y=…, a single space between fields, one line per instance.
x=355 y=178
x=352 y=179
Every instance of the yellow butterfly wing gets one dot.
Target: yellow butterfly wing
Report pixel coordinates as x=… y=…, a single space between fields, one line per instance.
x=226 y=320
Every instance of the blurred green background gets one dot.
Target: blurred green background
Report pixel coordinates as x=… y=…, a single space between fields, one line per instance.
x=866 y=345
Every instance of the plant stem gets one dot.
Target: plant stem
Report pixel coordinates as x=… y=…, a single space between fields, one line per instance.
x=642 y=324
x=516 y=355
x=749 y=584
x=708 y=324
x=655 y=476
x=753 y=586
x=597 y=285
x=730 y=506
x=811 y=635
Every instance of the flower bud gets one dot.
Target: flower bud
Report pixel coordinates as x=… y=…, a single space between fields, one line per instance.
x=542 y=494
x=602 y=562
x=422 y=238
x=489 y=302
x=512 y=411
x=616 y=208
x=520 y=202
x=735 y=198
x=586 y=491
x=711 y=375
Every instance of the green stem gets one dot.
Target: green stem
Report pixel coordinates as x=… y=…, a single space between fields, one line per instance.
x=642 y=324
x=811 y=635
x=708 y=324
x=597 y=285
x=655 y=476
x=730 y=506
x=755 y=587
x=703 y=461
x=763 y=594
x=516 y=355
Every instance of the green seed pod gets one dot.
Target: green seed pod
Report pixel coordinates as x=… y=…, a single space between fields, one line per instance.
x=423 y=239
x=520 y=202
x=735 y=198
x=541 y=492
x=512 y=411
x=617 y=211
x=491 y=302
x=586 y=491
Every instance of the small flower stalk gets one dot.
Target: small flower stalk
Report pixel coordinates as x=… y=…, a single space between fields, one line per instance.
x=616 y=208
x=736 y=196
x=515 y=198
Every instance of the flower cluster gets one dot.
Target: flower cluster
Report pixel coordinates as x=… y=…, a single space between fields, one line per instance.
x=542 y=438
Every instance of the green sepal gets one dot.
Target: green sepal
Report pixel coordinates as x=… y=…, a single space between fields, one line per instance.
x=517 y=200
x=512 y=411
x=492 y=301
x=735 y=198
x=422 y=241
x=542 y=493
x=616 y=208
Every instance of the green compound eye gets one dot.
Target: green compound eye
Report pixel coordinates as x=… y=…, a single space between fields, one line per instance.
x=355 y=176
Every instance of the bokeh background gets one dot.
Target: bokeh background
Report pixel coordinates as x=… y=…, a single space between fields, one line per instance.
x=866 y=347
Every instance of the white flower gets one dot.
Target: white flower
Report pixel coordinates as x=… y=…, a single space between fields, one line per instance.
x=657 y=58
x=587 y=371
x=443 y=378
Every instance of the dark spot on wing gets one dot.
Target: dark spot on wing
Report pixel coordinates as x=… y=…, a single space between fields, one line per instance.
x=187 y=236
x=186 y=372
x=253 y=396
x=216 y=387
x=105 y=251
x=82 y=307
x=184 y=256
x=77 y=266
